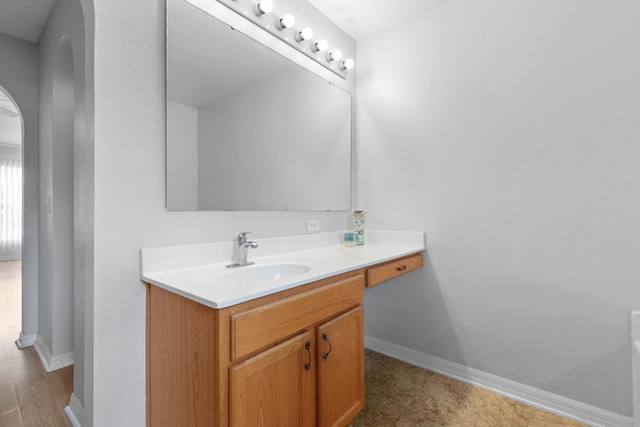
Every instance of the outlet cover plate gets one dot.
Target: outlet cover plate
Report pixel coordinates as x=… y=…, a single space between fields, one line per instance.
x=313 y=225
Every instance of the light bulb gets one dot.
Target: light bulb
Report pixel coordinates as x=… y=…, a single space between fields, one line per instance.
x=265 y=6
x=319 y=46
x=347 y=64
x=305 y=34
x=335 y=55
x=285 y=22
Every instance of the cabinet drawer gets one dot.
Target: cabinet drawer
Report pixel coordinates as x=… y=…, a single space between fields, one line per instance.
x=396 y=268
x=257 y=328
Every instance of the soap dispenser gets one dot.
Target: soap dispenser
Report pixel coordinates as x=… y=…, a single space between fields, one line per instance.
x=358 y=226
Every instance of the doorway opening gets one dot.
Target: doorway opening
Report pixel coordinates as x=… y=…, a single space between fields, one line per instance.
x=11 y=142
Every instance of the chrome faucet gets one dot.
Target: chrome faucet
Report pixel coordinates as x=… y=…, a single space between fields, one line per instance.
x=240 y=250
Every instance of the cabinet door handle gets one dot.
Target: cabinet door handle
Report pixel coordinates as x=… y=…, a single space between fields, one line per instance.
x=401 y=268
x=326 y=338
x=307 y=346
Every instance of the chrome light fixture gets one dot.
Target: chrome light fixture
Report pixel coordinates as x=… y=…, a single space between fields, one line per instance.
x=260 y=12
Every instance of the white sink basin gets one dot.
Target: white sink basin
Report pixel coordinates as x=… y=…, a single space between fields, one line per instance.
x=264 y=272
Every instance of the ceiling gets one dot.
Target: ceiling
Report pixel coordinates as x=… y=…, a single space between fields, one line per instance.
x=363 y=18
x=24 y=19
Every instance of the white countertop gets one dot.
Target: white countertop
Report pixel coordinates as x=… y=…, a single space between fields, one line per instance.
x=198 y=272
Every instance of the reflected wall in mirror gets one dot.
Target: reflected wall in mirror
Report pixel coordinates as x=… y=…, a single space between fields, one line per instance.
x=248 y=129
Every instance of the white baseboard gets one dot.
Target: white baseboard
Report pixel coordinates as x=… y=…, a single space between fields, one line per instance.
x=49 y=362
x=75 y=412
x=25 y=340
x=531 y=396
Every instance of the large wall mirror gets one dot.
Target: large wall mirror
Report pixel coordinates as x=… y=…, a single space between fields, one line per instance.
x=248 y=129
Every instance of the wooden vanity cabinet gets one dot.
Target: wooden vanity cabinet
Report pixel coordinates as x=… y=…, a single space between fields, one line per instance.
x=295 y=358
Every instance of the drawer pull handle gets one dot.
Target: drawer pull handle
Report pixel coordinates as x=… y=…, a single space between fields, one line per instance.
x=401 y=268
x=326 y=338
x=307 y=346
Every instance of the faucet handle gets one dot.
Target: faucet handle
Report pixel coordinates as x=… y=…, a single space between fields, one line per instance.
x=242 y=237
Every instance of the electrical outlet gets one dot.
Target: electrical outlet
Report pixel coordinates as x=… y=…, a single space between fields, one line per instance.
x=313 y=225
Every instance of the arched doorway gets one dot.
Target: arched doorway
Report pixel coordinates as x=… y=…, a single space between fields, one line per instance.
x=11 y=195
x=11 y=139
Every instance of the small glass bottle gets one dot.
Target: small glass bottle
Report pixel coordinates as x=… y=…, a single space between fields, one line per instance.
x=358 y=226
x=349 y=238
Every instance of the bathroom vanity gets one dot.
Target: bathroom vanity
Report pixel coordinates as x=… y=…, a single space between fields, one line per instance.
x=288 y=352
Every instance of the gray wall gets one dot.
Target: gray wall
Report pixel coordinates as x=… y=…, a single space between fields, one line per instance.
x=510 y=141
x=129 y=137
x=65 y=177
x=19 y=76
x=509 y=132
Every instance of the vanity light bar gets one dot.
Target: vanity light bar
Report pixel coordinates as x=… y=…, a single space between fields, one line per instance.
x=259 y=12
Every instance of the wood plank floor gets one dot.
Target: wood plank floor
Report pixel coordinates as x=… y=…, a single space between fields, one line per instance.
x=29 y=396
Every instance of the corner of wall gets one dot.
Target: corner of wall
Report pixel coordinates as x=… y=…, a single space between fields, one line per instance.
x=24 y=341
x=75 y=412
x=49 y=362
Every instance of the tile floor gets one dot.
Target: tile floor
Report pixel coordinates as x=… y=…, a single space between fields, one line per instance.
x=399 y=394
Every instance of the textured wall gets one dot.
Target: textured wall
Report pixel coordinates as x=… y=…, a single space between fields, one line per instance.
x=509 y=133
x=63 y=175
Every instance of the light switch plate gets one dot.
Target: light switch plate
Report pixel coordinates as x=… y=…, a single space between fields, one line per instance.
x=313 y=225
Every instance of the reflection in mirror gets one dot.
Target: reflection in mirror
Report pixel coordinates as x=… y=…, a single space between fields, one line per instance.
x=248 y=129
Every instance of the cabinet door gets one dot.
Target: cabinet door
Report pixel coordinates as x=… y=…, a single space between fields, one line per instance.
x=276 y=387
x=340 y=344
